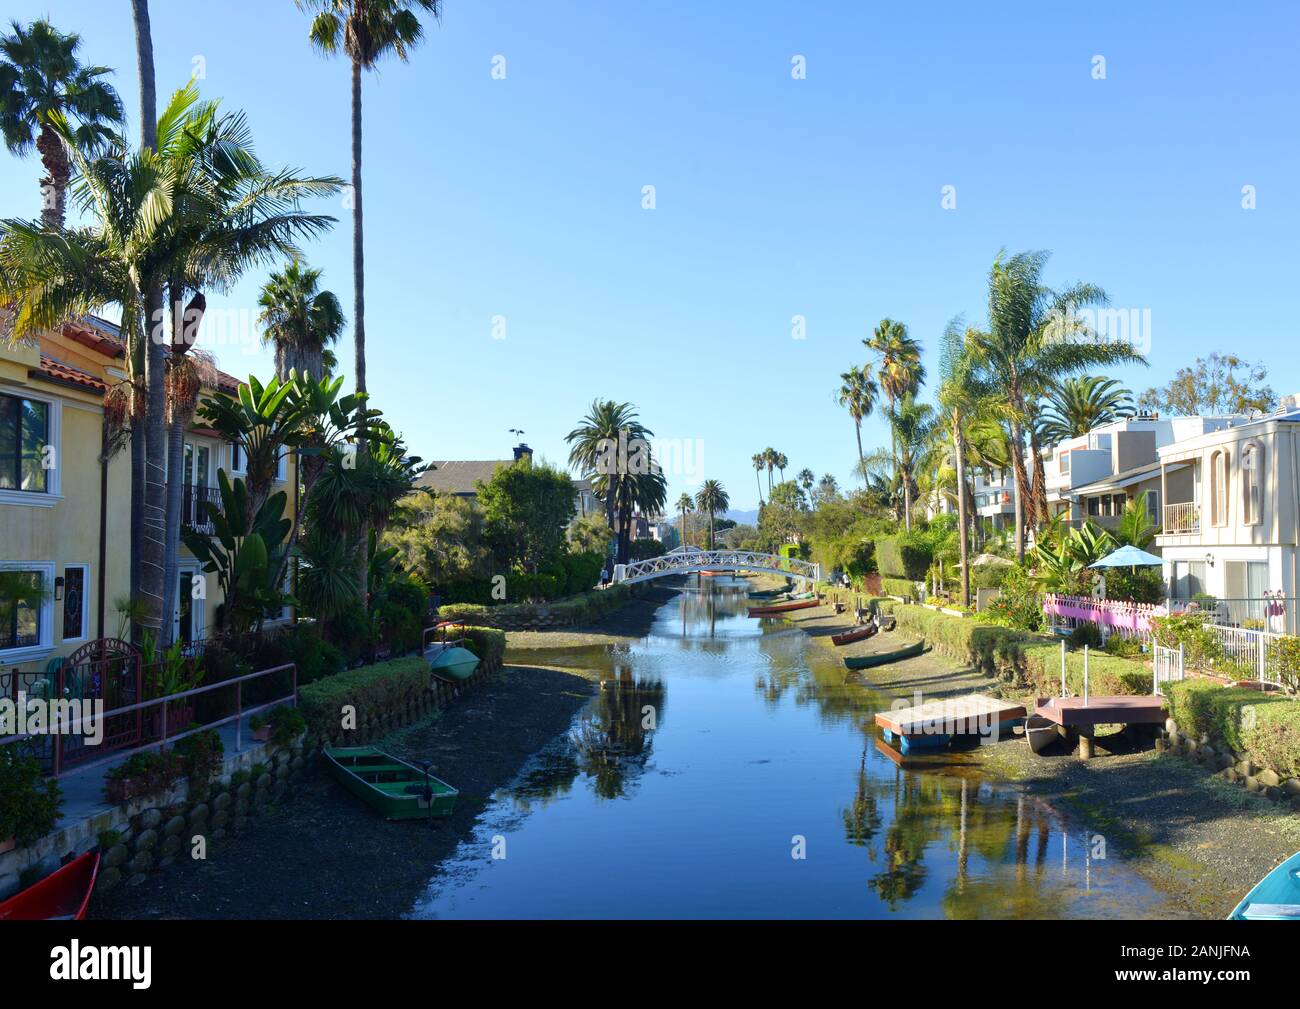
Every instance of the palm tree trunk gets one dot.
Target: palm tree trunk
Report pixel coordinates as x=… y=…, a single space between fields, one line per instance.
x=359 y=304
x=175 y=485
x=963 y=543
x=758 y=479
x=1022 y=486
x=1040 y=479
x=153 y=532
x=862 y=460
x=54 y=187
x=710 y=530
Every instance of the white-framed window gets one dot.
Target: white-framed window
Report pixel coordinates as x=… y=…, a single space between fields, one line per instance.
x=1219 y=487
x=238 y=461
x=1252 y=481
x=190 y=612
x=1063 y=464
x=282 y=466
x=1152 y=500
x=26 y=610
x=30 y=427
x=75 y=606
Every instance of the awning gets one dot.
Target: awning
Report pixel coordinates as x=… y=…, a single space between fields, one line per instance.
x=1127 y=478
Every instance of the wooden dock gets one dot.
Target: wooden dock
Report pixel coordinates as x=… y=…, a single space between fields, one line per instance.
x=932 y=725
x=1082 y=715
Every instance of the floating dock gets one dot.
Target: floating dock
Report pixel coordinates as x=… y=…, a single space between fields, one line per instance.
x=934 y=724
x=1083 y=714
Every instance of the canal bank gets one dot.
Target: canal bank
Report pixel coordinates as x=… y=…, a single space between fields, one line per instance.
x=1200 y=840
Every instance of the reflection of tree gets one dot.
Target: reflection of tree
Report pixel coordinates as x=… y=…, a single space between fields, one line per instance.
x=613 y=745
x=862 y=818
x=552 y=774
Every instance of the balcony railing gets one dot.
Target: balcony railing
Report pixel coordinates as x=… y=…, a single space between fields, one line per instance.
x=1182 y=518
x=192 y=511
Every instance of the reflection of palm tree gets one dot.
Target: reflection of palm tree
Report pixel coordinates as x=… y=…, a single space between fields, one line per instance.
x=862 y=818
x=613 y=745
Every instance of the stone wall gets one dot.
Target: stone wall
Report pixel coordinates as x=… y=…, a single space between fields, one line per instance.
x=1236 y=768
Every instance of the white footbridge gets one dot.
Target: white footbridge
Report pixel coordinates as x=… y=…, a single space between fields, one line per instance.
x=684 y=560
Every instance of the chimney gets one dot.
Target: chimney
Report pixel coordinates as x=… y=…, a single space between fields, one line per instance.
x=522 y=451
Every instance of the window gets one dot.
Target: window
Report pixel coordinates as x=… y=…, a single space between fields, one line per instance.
x=1219 y=488
x=1252 y=478
x=1121 y=502
x=24 y=435
x=1189 y=579
x=26 y=610
x=1094 y=506
x=1064 y=464
x=75 y=602
x=1152 y=500
x=281 y=465
x=237 y=462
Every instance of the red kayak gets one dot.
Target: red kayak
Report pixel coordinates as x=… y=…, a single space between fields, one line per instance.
x=62 y=895
x=763 y=611
x=857 y=634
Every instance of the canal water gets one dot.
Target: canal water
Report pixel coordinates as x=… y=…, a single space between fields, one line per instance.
x=726 y=769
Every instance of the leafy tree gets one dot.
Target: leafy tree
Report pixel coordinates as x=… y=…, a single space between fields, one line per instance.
x=1135 y=527
x=1215 y=385
x=590 y=535
x=1076 y=405
x=42 y=82
x=527 y=508
x=782 y=516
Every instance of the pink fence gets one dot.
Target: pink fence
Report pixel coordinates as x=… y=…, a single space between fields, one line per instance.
x=1128 y=619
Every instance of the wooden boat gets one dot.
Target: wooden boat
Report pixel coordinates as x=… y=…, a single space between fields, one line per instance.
x=1041 y=732
x=396 y=789
x=1276 y=897
x=61 y=896
x=857 y=634
x=885 y=658
x=764 y=611
x=767 y=593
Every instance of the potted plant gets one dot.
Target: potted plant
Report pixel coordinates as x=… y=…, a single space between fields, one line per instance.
x=282 y=725
x=171 y=672
x=29 y=805
x=140 y=774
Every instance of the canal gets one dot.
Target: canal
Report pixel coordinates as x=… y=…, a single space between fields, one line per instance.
x=726 y=769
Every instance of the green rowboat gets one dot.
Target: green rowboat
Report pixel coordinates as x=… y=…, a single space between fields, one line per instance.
x=451 y=662
x=396 y=789
x=884 y=658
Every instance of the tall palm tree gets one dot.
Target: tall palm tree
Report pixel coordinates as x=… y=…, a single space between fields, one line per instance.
x=858 y=394
x=601 y=450
x=42 y=79
x=300 y=319
x=770 y=455
x=365 y=31
x=1078 y=404
x=781 y=462
x=685 y=505
x=759 y=460
x=898 y=368
x=806 y=480
x=646 y=492
x=712 y=498
x=1035 y=336
x=913 y=425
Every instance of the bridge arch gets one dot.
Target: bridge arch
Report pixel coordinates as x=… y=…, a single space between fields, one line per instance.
x=684 y=560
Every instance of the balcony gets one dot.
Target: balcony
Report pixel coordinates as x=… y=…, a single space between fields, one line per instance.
x=1182 y=518
x=193 y=513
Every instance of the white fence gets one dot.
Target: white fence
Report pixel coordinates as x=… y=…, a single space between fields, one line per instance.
x=1256 y=653
x=1167 y=665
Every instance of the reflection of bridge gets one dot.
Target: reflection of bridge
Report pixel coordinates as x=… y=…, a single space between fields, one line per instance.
x=684 y=560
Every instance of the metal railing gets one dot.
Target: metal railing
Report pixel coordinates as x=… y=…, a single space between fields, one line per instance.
x=1182 y=517
x=1166 y=666
x=74 y=729
x=193 y=514
x=1270 y=612
x=1256 y=653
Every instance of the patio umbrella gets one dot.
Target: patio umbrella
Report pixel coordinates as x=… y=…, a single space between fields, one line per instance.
x=1127 y=556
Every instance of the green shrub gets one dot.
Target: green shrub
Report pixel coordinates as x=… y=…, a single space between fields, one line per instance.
x=903 y=556
x=900 y=587
x=312 y=654
x=1018 y=605
x=1086 y=633
x=1201 y=645
x=1273 y=739
x=1241 y=719
x=1107 y=674
x=372 y=690
x=200 y=757
x=29 y=805
x=989 y=576
x=584 y=607
x=1128 y=648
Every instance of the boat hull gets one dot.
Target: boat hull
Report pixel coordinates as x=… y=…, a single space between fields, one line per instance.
x=765 y=611
x=62 y=895
x=454 y=663
x=1041 y=732
x=857 y=634
x=389 y=785
x=885 y=658
x=1276 y=897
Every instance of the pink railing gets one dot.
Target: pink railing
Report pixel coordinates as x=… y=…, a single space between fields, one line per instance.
x=1113 y=614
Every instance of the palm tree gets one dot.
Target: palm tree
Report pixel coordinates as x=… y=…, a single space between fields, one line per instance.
x=858 y=393
x=913 y=425
x=712 y=498
x=806 y=480
x=781 y=462
x=1035 y=336
x=646 y=492
x=1077 y=405
x=759 y=459
x=601 y=450
x=300 y=319
x=899 y=369
x=685 y=505
x=770 y=456
x=41 y=80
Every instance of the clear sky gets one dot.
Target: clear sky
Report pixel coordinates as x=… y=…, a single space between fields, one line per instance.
x=774 y=197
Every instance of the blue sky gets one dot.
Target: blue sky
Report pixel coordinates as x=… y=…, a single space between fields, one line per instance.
x=775 y=197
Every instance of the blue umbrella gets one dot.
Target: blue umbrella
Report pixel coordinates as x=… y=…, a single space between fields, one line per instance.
x=1127 y=557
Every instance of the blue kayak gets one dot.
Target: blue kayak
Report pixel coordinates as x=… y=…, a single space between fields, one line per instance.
x=1276 y=897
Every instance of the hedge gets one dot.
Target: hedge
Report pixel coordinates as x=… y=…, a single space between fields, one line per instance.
x=1263 y=726
x=899 y=587
x=576 y=609
x=1023 y=660
x=897 y=557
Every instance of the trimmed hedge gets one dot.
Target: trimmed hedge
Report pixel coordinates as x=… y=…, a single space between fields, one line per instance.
x=899 y=557
x=899 y=587
x=576 y=609
x=1263 y=726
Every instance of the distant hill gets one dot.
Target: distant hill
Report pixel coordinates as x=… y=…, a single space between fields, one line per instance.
x=743 y=517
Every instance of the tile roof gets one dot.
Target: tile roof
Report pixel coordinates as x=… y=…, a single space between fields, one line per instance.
x=458 y=476
x=59 y=372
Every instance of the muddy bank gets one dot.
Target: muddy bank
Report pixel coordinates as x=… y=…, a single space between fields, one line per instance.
x=1199 y=840
x=321 y=853
x=629 y=623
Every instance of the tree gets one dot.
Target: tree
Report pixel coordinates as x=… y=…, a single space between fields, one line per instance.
x=441 y=537
x=828 y=489
x=781 y=462
x=806 y=479
x=780 y=520
x=711 y=499
x=644 y=492
x=913 y=425
x=41 y=81
x=1215 y=385
x=759 y=459
x=900 y=374
x=858 y=394
x=365 y=31
x=527 y=508
x=685 y=506
x=299 y=319
x=590 y=535
x=1077 y=405
x=611 y=448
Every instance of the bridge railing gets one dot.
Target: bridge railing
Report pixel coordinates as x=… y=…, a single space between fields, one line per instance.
x=680 y=561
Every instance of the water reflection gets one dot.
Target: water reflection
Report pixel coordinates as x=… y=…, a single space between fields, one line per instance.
x=630 y=814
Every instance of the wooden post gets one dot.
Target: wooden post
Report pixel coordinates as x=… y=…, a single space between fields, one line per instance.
x=1085 y=742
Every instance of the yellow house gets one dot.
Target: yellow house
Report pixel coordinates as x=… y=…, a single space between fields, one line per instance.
x=65 y=513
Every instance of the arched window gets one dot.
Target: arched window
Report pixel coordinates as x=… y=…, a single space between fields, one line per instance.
x=1219 y=488
x=1252 y=483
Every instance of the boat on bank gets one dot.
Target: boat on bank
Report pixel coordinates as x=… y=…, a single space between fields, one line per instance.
x=885 y=658
x=767 y=611
x=1276 y=897
x=61 y=896
x=447 y=655
x=396 y=789
x=1041 y=732
x=857 y=634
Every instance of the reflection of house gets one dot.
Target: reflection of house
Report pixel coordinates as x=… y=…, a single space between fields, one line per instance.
x=461 y=477
x=1230 y=518
x=65 y=512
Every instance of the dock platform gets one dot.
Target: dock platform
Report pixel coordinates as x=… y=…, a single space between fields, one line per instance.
x=1082 y=716
x=932 y=725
